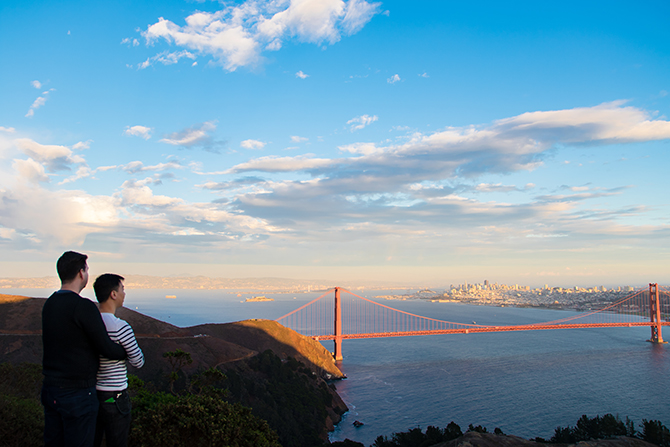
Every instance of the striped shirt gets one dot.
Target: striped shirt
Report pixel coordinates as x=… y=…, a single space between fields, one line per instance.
x=112 y=374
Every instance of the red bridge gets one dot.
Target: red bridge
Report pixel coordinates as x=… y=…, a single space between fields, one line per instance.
x=365 y=318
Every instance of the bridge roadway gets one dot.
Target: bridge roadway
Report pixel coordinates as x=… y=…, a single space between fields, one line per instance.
x=475 y=329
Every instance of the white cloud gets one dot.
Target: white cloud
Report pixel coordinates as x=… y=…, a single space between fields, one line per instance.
x=252 y=144
x=361 y=148
x=82 y=172
x=138 y=131
x=495 y=187
x=237 y=35
x=358 y=14
x=137 y=166
x=55 y=157
x=281 y=164
x=7 y=129
x=505 y=146
x=608 y=122
x=39 y=102
x=424 y=75
x=393 y=79
x=48 y=218
x=199 y=135
x=297 y=139
x=362 y=121
x=36 y=84
x=129 y=41
x=82 y=145
x=375 y=200
x=30 y=170
x=166 y=58
x=301 y=75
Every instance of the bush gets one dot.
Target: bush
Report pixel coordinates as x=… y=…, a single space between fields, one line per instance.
x=416 y=438
x=285 y=394
x=21 y=413
x=21 y=422
x=347 y=443
x=166 y=420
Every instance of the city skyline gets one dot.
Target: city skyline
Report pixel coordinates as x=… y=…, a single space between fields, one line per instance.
x=428 y=143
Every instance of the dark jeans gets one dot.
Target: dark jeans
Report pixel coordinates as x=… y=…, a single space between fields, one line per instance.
x=113 y=418
x=69 y=416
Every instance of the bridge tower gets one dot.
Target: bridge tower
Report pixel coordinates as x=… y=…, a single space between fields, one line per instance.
x=338 y=326
x=655 y=314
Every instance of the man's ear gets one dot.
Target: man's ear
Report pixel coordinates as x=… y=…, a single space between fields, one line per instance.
x=113 y=294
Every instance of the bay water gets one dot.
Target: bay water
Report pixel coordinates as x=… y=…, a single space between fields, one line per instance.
x=525 y=383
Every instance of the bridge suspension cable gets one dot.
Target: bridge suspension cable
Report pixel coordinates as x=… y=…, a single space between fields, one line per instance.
x=365 y=318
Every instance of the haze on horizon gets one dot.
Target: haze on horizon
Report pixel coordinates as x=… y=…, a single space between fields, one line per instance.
x=430 y=143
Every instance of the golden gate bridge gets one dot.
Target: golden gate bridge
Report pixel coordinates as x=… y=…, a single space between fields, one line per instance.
x=365 y=318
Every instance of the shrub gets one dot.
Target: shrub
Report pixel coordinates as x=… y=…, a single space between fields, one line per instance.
x=21 y=422
x=166 y=420
x=21 y=413
x=416 y=438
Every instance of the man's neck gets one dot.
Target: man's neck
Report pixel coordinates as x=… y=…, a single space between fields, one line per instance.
x=108 y=307
x=72 y=287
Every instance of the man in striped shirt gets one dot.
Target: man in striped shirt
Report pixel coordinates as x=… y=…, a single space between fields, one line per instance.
x=112 y=380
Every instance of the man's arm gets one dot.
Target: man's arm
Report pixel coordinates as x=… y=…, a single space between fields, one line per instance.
x=91 y=322
x=127 y=339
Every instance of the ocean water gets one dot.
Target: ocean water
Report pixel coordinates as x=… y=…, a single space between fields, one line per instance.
x=526 y=383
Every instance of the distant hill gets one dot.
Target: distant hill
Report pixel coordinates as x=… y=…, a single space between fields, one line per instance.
x=209 y=344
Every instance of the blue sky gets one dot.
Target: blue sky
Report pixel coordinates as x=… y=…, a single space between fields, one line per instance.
x=419 y=142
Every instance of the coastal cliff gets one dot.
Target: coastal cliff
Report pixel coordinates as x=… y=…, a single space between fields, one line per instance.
x=254 y=355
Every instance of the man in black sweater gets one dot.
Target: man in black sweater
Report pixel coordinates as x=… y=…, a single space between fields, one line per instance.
x=74 y=337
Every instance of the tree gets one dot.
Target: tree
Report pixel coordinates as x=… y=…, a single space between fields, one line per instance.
x=655 y=432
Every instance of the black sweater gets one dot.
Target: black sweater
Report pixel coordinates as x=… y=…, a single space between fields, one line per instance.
x=74 y=337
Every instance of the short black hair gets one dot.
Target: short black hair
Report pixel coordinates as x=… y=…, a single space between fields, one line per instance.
x=69 y=265
x=104 y=284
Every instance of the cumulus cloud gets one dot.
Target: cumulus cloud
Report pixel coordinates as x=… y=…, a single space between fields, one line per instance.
x=237 y=35
x=36 y=84
x=43 y=218
x=30 y=170
x=196 y=136
x=301 y=75
x=39 y=102
x=252 y=144
x=54 y=157
x=138 y=131
x=393 y=79
x=7 y=129
x=362 y=121
x=297 y=139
